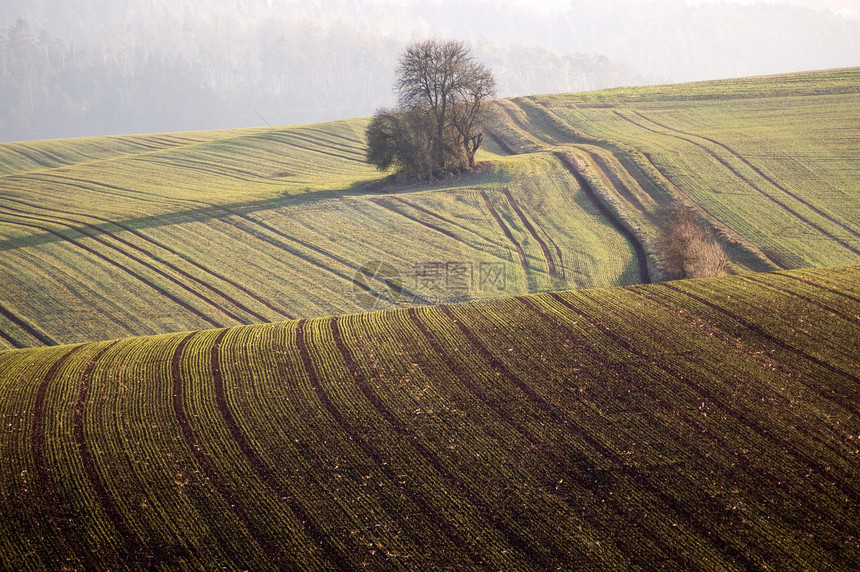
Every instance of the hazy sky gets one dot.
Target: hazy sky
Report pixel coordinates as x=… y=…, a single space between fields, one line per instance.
x=844 y=7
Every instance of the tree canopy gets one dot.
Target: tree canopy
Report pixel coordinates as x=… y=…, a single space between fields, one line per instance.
x=442 y=95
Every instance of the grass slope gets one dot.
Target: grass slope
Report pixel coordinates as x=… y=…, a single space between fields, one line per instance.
x=553 y=431
x=771 y=161
x=124 y=236
x=259 y=225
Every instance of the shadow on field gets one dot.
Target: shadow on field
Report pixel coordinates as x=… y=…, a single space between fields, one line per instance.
x=310 y=200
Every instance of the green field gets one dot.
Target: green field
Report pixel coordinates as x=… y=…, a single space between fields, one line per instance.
x=123 y=236
x=551 y=431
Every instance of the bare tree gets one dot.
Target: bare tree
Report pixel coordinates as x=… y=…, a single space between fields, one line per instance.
x=689 y=249
x=442 y=93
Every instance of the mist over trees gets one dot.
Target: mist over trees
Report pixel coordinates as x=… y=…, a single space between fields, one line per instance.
x=89 y=67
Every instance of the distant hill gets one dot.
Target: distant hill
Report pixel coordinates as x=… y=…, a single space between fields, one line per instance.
x=111 y=237
x=705 y=424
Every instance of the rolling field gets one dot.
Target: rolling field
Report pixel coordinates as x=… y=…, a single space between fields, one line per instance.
x=772 y=160
x=251 y=226
x=550 y=431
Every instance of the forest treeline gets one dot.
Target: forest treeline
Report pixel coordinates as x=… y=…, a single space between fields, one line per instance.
x=185 y=73
x=90 y=67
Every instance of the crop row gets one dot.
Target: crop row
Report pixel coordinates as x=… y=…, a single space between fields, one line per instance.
x=538 y=431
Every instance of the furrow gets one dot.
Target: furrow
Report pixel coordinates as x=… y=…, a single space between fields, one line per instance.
x=579 y=468
x=428 y=212
x=709 y=395
x=591 y=195
x=57 y=524
x=382 y=409
x=146 y=253
x=197 y=448
x=694 y=426
x=807 y=299
x=507 y=231
x=128 y=271
x=382 y=280
x=145 y=264
x=133 y=549
x=749 y=183
x=513 y=537
x=761 y=333
x=267 y=475
x=759 y=173
x=162 y=246
x=31 y=330
x=550 y=265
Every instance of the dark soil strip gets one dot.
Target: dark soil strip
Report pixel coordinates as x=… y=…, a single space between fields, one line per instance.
x=759 y=173
x=749 y=183
x=438 y=519
x=315 y=532
x=760 y=332
x=583 y=469
x=751 y=424
x=261 y=536
x=21 y=323
x=158 y=244
x=514 y=539
x=808 y=300
x=593 y=198
x=16 y=344
x=744 y=459
x=520 y=252
x=672 y=503
x=704 y=531
x=550 y=265
x=101 y=231
x=58 y=526
x=134 y=552
x=128 y=271
x=820 y=286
